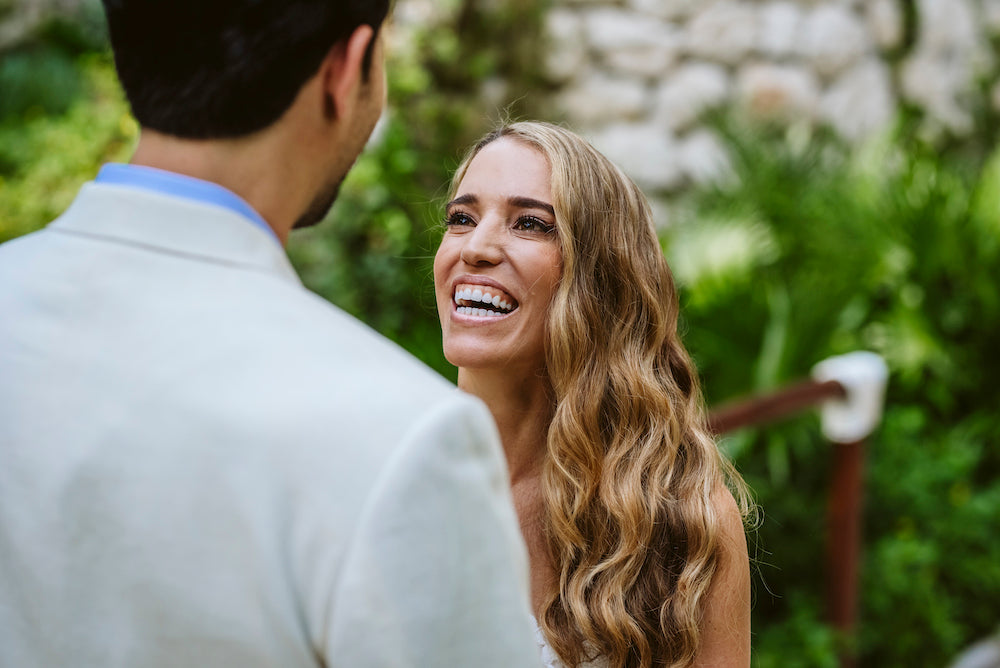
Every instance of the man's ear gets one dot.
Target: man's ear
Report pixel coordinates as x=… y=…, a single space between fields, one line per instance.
x=343 y=70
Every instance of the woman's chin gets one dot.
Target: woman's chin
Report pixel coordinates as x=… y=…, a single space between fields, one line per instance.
x=475 y=357
x=470 y=359
x=503 y=349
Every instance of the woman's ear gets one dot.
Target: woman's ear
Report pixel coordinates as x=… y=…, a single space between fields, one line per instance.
x=343 y=71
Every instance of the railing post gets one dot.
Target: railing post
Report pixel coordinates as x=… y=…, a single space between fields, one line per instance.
x=846 y=422
x=843 y=551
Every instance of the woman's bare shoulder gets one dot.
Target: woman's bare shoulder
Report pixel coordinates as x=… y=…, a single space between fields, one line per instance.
x=725 y=639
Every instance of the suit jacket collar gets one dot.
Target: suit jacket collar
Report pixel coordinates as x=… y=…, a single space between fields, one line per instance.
x=173 y=225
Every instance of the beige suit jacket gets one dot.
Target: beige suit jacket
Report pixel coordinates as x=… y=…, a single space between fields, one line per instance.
x=204 y=464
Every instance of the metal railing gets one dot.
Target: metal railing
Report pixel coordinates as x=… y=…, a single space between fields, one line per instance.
x=850 y=391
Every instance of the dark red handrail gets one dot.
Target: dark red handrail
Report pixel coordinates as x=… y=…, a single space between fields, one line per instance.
x=775 y=406
x=845 y=500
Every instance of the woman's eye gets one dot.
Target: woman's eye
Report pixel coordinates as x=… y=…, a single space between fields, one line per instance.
x=532 y=224
x=458 y=219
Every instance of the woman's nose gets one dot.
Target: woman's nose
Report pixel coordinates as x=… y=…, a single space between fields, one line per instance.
x=484 y=244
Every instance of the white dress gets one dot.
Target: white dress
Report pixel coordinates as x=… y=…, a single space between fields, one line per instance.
x=549 y=658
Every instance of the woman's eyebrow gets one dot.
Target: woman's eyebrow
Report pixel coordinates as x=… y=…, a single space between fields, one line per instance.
x=463 y=199
x=515 y=201
x=531 y=203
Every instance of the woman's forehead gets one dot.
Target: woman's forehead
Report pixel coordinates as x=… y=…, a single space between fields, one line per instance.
x=508 y=168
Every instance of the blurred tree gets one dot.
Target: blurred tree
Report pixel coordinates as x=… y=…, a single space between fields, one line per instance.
x=62 y=115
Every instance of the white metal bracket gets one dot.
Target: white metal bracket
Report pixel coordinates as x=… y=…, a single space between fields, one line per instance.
x=864 y=376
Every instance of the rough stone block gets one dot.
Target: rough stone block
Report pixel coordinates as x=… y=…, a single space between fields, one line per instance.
x=665 y=9
x=609 y=28
x=649 y=63
x=936 y=84
x=885 y=22
x=644 y=151
x=778 y=91
x=833 y=38
x=861 y=102
x=947 y=27
x=566 y=52
x=778 y=30
x=725 y=32
x=631 y=43
x=598 y=98
x=702 y=157
x=688 y=92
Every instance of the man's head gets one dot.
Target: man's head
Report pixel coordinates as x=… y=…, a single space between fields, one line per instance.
x=215 y=69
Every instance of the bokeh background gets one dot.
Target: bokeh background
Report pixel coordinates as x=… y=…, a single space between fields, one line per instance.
x=825 y=176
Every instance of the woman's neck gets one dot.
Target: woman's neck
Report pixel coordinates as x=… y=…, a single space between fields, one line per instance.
x=522 y=407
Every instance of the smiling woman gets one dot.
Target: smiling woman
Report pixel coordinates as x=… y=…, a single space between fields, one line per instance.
x=560 y=312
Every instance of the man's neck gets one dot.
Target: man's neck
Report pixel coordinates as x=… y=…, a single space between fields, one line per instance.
x=255 y=168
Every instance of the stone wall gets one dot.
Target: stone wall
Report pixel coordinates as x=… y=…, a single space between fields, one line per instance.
x=637 y=76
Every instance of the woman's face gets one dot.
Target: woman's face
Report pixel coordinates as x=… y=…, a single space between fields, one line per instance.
x=499 y=262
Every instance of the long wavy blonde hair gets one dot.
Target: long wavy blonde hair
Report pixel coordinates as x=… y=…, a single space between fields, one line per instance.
x=631 y=469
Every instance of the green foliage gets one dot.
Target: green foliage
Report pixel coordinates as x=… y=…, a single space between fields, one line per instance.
x=61 y=116
x=803 y=641
x=42 y=75
x=41 y=81
x=83 y=31
x=819 y=251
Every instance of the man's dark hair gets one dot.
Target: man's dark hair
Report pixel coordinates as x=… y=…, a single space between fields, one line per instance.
x=204 y=69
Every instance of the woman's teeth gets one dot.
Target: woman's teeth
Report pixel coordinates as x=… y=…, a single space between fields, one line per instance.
x=481 y=312
x=483 y=302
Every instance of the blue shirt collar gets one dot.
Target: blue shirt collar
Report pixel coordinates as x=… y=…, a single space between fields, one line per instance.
x=179 y=185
